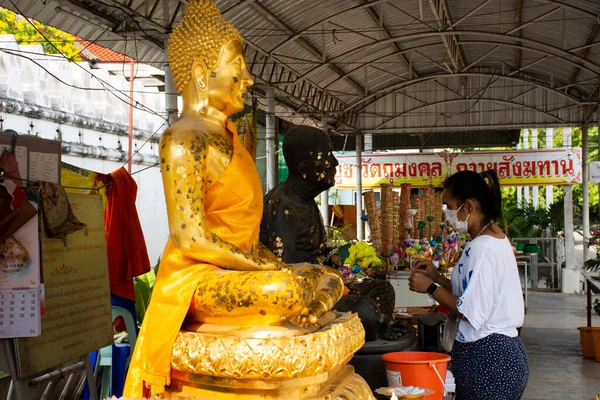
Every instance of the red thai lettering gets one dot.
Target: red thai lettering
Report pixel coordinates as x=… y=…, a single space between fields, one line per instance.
x=436 y=169
x=529 y=168
x=543 y=168
x=375 y=170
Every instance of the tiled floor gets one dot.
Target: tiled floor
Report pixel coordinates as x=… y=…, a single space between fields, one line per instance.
x=558 y=372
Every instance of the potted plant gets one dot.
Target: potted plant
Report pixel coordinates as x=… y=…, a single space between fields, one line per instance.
x=593 y=264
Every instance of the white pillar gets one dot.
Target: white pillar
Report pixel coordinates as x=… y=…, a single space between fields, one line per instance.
x=570 y=274
x=549 y=188
x=585 y=190
x=567 y=138
x=170 y=94
x=272 y=142
x=520 y=188
x=325 y=194
x=368 y=146
x=359 y=221
x=525 y=135
x=535 y=189
x=570 y=277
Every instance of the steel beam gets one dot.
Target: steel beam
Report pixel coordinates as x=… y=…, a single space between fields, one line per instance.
x=265 y=12
x=519 y=21
x=407 y=84
x=470 y=13
x=454 y=128
x=478 y=100
x=586 y=50
x=299 y=34
x=539 y=17
x=441 y=12
x=377 y=18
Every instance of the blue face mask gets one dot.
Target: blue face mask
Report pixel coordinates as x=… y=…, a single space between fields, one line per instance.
x=461 y=227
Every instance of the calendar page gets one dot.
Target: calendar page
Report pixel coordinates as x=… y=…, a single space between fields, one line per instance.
x=20 y=282
x=19 y=313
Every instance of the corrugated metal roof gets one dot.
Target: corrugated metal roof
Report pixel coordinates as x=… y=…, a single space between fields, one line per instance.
x=385 y=66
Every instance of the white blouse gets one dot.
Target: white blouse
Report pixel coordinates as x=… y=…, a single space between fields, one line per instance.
x=486 y=281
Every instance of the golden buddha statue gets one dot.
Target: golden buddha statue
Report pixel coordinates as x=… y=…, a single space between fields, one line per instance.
x=227 y=319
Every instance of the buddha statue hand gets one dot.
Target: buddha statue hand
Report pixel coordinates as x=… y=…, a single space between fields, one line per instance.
x=325 y=288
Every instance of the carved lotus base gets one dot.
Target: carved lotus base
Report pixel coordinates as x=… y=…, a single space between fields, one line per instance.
x=271 y=363
x=339 y=384
x=269 y=354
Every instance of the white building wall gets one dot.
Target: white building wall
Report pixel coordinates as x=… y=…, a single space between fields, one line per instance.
x=23 y=80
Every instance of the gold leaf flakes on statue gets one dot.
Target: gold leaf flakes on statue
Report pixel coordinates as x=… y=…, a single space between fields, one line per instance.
x=268 y=358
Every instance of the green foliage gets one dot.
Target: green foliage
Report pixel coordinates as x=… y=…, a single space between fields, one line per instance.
x=525 y=221
x=593 y=243
x=24 y=33
x=597 y=306
x=143 y=286
x=337 y=237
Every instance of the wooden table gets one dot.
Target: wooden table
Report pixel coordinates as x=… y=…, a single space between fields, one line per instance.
x=591 y=279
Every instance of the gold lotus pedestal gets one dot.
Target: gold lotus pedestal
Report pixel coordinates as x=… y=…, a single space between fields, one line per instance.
x=283 y=362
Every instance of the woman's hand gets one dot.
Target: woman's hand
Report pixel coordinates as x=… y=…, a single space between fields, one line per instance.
x=426 y=267
x=419 y=281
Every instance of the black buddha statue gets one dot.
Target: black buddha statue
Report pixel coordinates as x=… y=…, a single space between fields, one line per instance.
x=292 y=225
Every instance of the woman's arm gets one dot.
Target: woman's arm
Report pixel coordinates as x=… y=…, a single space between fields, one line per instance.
x=419 y=282
x=448 y=300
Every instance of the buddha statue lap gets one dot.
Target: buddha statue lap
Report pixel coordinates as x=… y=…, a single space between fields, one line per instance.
x=227 y=319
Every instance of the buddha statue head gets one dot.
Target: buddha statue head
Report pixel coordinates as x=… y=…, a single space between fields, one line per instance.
x=207 y=61
x=308 y=153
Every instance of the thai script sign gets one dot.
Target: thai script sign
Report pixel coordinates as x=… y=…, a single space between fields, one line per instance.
x=595 y=171
x=514 y=168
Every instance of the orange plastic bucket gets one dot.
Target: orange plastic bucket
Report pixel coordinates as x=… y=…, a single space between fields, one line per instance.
x=425 y=370
x=597 y=346
x=586 y=335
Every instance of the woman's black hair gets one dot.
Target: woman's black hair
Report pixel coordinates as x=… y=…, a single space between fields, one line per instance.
x=483 y=187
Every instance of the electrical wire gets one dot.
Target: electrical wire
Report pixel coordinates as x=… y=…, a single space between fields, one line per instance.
x=36 y=183
x=102 y=82
x=8 y=51
x=143 y=144
x=91 y=42
x=145 y=169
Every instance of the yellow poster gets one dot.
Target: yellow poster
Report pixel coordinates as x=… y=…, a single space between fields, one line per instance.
x=78 y=318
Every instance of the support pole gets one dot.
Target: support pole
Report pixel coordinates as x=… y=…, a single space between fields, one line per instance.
x=170 y=93
x=325 y=194
x=585 y=190
x=526 y=198
x=520 y=188
x=535 y=190
x=130 y=131
x=359 y=222
x=570 y=276
x=271 y=137
x=549 y=188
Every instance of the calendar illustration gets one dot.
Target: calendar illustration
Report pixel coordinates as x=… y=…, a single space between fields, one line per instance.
x=20 y=283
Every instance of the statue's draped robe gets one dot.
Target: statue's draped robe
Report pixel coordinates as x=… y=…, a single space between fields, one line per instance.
x=233 y=209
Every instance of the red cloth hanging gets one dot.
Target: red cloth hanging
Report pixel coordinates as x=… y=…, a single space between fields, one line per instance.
x=125 y=244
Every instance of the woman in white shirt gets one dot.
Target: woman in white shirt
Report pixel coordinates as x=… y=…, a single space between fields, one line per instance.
x=488 y=358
